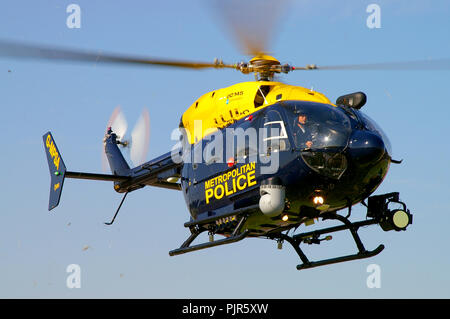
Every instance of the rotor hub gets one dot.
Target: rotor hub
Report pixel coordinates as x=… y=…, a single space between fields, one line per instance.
x=263 y=66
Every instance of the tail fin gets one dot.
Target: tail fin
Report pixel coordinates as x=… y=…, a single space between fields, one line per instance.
x=57 y=170
x=117 y=162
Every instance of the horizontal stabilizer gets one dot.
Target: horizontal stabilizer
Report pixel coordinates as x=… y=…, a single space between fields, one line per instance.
x=97 y=177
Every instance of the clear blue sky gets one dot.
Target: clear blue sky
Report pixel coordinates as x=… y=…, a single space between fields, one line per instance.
x=130 y=259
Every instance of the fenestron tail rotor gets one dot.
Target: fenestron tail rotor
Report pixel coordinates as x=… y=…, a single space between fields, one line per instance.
x=137 y=142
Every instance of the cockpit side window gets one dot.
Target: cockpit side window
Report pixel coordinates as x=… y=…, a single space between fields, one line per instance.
x=304 y=130
x=274 y=132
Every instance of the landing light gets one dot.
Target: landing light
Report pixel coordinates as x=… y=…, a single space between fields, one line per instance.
x=285 y=218
x=318 y=200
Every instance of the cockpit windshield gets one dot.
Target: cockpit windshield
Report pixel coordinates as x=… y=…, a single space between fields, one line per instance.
x=317 y=126
x=373 y=126
x=322 y=132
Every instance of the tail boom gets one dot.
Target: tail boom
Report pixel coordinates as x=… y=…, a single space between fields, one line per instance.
x=158 y=172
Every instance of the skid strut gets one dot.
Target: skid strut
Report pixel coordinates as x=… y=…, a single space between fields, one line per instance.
x=313 y=237
x=235 y=237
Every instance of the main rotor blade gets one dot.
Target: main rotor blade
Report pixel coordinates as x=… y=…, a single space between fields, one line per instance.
x=430 y=64
x=30 y=51
x=251 y=22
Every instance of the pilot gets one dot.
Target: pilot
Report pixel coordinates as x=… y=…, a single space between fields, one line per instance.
x=302 y=131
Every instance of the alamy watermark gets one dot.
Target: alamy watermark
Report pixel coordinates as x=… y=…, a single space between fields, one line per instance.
x=73 y=20
x=374 y=279
x=74 y=278
x=374 y=19
x=232 y=145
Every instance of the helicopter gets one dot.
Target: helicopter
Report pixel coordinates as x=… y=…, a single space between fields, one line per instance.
x=257 y=159
x=272 y=179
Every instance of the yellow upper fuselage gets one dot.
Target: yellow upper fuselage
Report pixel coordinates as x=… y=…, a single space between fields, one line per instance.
x=222 y=107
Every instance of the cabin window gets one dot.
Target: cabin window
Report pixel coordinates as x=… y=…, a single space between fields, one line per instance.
x=197 y=151
x=246 y=145
x=246 y=139
x=213 y=148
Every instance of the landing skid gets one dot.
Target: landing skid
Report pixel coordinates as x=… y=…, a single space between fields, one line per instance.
x=378 y=212
x=313 y=238
x=235 y=237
